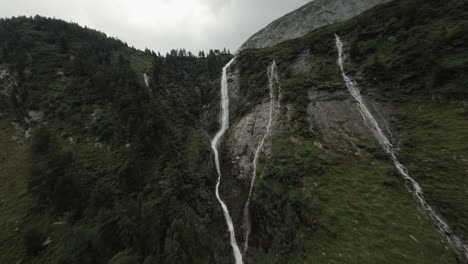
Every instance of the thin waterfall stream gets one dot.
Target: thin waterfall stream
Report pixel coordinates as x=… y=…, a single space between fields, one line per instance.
x=147 y=80
x=411 y=184
x=215 y=145
x=272 y=78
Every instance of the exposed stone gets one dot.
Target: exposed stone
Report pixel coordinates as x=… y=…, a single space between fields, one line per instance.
x=311 y=16
x=336 y=117
x=245 y=133
x=245 y=137
x=233 y=76
x=36 y=116
x=8 y=88
x=303 y=63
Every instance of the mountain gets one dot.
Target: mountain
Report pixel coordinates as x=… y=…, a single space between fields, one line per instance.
x=329 y=188
x=316 y=14
x=349 y=142
x=98 y=162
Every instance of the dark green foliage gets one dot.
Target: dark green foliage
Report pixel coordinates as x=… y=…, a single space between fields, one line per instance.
x=376 y=151
x=125 y=257
x=186 y=82
x=280 y=207
x=33 y=242
x=415 y=45
x=113 y=157
x=355 y=52
x=51 y=181
x=78 y=248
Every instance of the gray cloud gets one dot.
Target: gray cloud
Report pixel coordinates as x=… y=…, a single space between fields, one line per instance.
x=216 y=5
x=163 y=24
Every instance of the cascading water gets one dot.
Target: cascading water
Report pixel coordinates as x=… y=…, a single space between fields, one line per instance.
x=146 y=78
x=214 y=146
x=273 y=78
x=411 y=184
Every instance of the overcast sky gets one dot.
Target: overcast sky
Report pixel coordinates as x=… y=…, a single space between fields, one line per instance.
x=162 y=25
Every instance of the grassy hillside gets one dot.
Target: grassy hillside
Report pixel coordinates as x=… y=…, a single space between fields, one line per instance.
x=331 y=207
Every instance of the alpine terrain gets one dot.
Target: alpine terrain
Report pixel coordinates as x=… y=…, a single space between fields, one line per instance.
x=336 y=134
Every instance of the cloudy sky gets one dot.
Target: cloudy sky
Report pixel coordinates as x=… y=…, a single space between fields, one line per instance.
x=163 y=24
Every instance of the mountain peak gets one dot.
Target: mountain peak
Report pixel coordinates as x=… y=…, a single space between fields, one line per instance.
x=305 y=19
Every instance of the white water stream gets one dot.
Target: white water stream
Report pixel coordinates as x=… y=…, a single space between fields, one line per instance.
x=147 y=78
x=215 y=145
x=412 y=186
x=272 y=78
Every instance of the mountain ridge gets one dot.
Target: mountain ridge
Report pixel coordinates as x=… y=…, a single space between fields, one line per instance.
x=305 y=19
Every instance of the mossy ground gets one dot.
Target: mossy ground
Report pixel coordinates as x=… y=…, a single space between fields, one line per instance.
x=361 y=211
x=364 y=214
x=434 y=146
x=369 y=217
x=17 y=209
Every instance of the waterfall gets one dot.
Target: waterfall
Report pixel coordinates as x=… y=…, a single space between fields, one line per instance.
x=273 y=78
x=412 y=186
x=214 y=146
x=146 y=78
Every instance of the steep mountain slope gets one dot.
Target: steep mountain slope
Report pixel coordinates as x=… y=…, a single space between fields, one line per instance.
x=107 y=159
x=328 y=192
x=313 y=15
x=97 y=167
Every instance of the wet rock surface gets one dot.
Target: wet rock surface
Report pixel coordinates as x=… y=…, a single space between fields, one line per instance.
x=335 y=115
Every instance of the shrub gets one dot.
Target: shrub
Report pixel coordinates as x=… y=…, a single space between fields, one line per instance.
x=33 y=242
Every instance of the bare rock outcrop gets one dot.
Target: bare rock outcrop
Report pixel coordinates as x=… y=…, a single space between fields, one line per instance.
x=9 y=90
x=303 y=63
x=311 y=16
x=244 y=139
x=336 y=117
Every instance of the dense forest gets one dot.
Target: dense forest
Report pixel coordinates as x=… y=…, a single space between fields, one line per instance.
x=115 y=153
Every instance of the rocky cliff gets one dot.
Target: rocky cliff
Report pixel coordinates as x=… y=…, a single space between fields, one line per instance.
x=324 y=178
x=311 y=16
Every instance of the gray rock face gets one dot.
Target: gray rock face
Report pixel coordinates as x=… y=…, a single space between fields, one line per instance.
x=239 y=147
x=303 y=63
x=336 y=116
x=246 y=132
x=8 y=85
x=244 y=138
x=311 y=16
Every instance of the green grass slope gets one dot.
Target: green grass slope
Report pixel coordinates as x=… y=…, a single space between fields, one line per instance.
x=333 y=208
